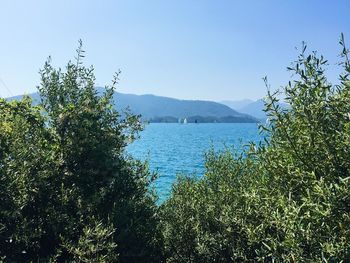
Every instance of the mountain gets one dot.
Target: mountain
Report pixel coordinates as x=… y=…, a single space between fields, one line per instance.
x=250 y=107
x=150 y=106
x=35 y=97
x=236 y=104
x=157 y=108
x=254 y=108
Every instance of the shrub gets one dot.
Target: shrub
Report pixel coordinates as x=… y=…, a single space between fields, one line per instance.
x=286 y=200
x=67 y=186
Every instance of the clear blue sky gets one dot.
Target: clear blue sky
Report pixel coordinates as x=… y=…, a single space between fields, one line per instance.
x=190 y=49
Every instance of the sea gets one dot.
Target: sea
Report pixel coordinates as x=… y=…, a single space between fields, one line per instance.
x=173 y=149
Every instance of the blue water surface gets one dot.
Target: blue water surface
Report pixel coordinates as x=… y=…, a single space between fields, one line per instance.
x=173 y=148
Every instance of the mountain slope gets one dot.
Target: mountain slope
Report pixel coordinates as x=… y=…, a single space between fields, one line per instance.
x=151 y=106
x=254 y=108
x=236 y=104
x=154 y=106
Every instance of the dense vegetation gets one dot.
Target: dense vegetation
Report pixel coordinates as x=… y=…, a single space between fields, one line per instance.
x=287 y=200
x=70 y=193
x=68 y=190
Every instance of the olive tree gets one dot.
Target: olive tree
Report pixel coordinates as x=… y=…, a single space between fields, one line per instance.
x=69 y=190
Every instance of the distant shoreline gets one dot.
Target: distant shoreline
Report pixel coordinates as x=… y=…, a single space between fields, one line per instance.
x=201 y=119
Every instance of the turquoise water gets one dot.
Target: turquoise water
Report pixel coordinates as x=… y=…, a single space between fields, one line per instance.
x=173 y=148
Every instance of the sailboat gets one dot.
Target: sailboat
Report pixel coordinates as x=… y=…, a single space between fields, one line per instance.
x=185 y=121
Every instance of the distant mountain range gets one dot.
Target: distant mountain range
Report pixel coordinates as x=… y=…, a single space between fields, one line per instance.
x=250 y=107
x=163 y=109
x=236 y=104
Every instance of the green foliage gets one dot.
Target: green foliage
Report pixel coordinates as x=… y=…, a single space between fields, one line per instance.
x=283 y=201
x=69 y=192
x=94 y=245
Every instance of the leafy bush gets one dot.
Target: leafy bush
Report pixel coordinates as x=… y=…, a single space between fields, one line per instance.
x=69 y=192
x=286 y=200
x=94 y=245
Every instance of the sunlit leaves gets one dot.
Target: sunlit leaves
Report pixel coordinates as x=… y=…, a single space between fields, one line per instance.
x=285 y=201
x=69 y=192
